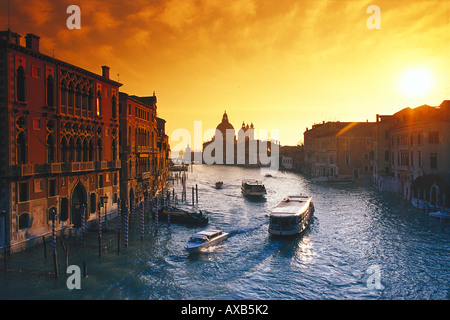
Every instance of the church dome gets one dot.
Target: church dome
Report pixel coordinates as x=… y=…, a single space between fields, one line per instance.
x=224 y=125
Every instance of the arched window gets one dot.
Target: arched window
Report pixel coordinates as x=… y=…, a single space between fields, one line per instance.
x=50 y=91
x=79 y=151
x=99 y=150
x=71 y=150
x=85 y=150
x=63 y=90
x=99 y=103
x=78 y=97
x=84 y=97
x=51 y=154
x=90 y=99
x=22 y=156
x=20 y=84
x=114 y=107
x=114 y=150
x=64 y=149
x=91 y=150
x=24 y=221
x=71 y=94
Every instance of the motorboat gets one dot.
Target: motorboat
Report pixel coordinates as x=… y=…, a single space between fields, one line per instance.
x=183 y=217
x=442 y=215
x=291 y=215
x=219 y=184
x=205 y=239
x=253 y=189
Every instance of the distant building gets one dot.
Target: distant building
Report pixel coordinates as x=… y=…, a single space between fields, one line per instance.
x=292 y=158
x=339 y=149
x=243 y=150
x=59 y=150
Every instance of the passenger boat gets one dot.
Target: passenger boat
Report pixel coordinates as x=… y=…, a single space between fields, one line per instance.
x=219 y=184
x=205 y=239
x=291 y=216
x=183 y=217
x=253 y=189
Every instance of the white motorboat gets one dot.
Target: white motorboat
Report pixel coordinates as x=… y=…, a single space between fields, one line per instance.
x=205 y=239
x=291 y=216
x=253 y=188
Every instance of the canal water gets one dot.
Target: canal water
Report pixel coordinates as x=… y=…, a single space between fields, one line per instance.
x=361 y=244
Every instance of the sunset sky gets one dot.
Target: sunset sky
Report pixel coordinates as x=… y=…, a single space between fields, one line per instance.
x=280 y=64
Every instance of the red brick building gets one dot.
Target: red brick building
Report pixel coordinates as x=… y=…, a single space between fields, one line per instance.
x=60 y=130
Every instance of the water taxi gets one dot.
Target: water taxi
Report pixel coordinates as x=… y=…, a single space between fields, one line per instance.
x=205 y=239
x=291 y=216
x=253 y=188
x=219 y=184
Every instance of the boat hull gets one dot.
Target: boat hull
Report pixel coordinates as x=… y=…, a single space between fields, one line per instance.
x=206 y=245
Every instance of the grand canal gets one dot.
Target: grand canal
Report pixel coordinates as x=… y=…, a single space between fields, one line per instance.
x=355 y=230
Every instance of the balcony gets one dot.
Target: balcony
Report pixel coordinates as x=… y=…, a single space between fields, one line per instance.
x=78 y=166
x=114 y=164
x=24 y=170
x=54 y=167
x=101 y=165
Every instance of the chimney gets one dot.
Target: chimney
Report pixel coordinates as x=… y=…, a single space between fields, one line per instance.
x=32 y=41
x=105 y=70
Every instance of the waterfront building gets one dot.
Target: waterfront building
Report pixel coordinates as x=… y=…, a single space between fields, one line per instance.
x=137 y=147
x=420 y=147
x=292 y=158
x=339 y=150
x=59 y=152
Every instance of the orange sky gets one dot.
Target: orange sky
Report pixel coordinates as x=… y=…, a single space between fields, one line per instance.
x=279 y=64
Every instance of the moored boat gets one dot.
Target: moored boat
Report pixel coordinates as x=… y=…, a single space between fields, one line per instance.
x=205 y=239
x=291 y=215
x=253 y=189
x=183 y=217
x=219 y=184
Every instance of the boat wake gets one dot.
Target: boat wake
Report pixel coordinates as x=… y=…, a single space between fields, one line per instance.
x=244 y=230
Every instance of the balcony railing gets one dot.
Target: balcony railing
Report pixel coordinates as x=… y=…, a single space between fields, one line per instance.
x=78 y=166
x=23 y=170
x=114 y=164
x=101 y=165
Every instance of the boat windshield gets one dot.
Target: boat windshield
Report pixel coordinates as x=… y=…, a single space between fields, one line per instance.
x=197 y=240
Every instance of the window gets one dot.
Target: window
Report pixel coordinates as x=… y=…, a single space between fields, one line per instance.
x=51 y=154
x=52 y=188
x=114 y=200
x=23 y=191
x=35 y=72
x=433 y=161
x=419 y=156
x=412 y=158
x=38 y=185
x=93 y=203
x=99 y=103
x=20 y=84
x=64 y=209
x=100 y=181
x=433 y=137
x=347 y=159
x=50 y=92
x=22 y=157
x=114 y=107
x=404 y=158
x=386 y=155
x=24 y=221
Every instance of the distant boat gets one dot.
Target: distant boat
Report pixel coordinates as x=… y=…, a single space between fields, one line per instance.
x=219 y=184
x=253 y=189
x=205 y=239
x=291 y=216
x=183 y=217
x=268 y=175
x=440 y=214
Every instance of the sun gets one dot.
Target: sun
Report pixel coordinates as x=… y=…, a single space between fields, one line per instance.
x=416 y=82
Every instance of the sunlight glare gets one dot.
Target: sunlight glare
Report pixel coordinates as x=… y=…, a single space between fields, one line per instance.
x=416 y=82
